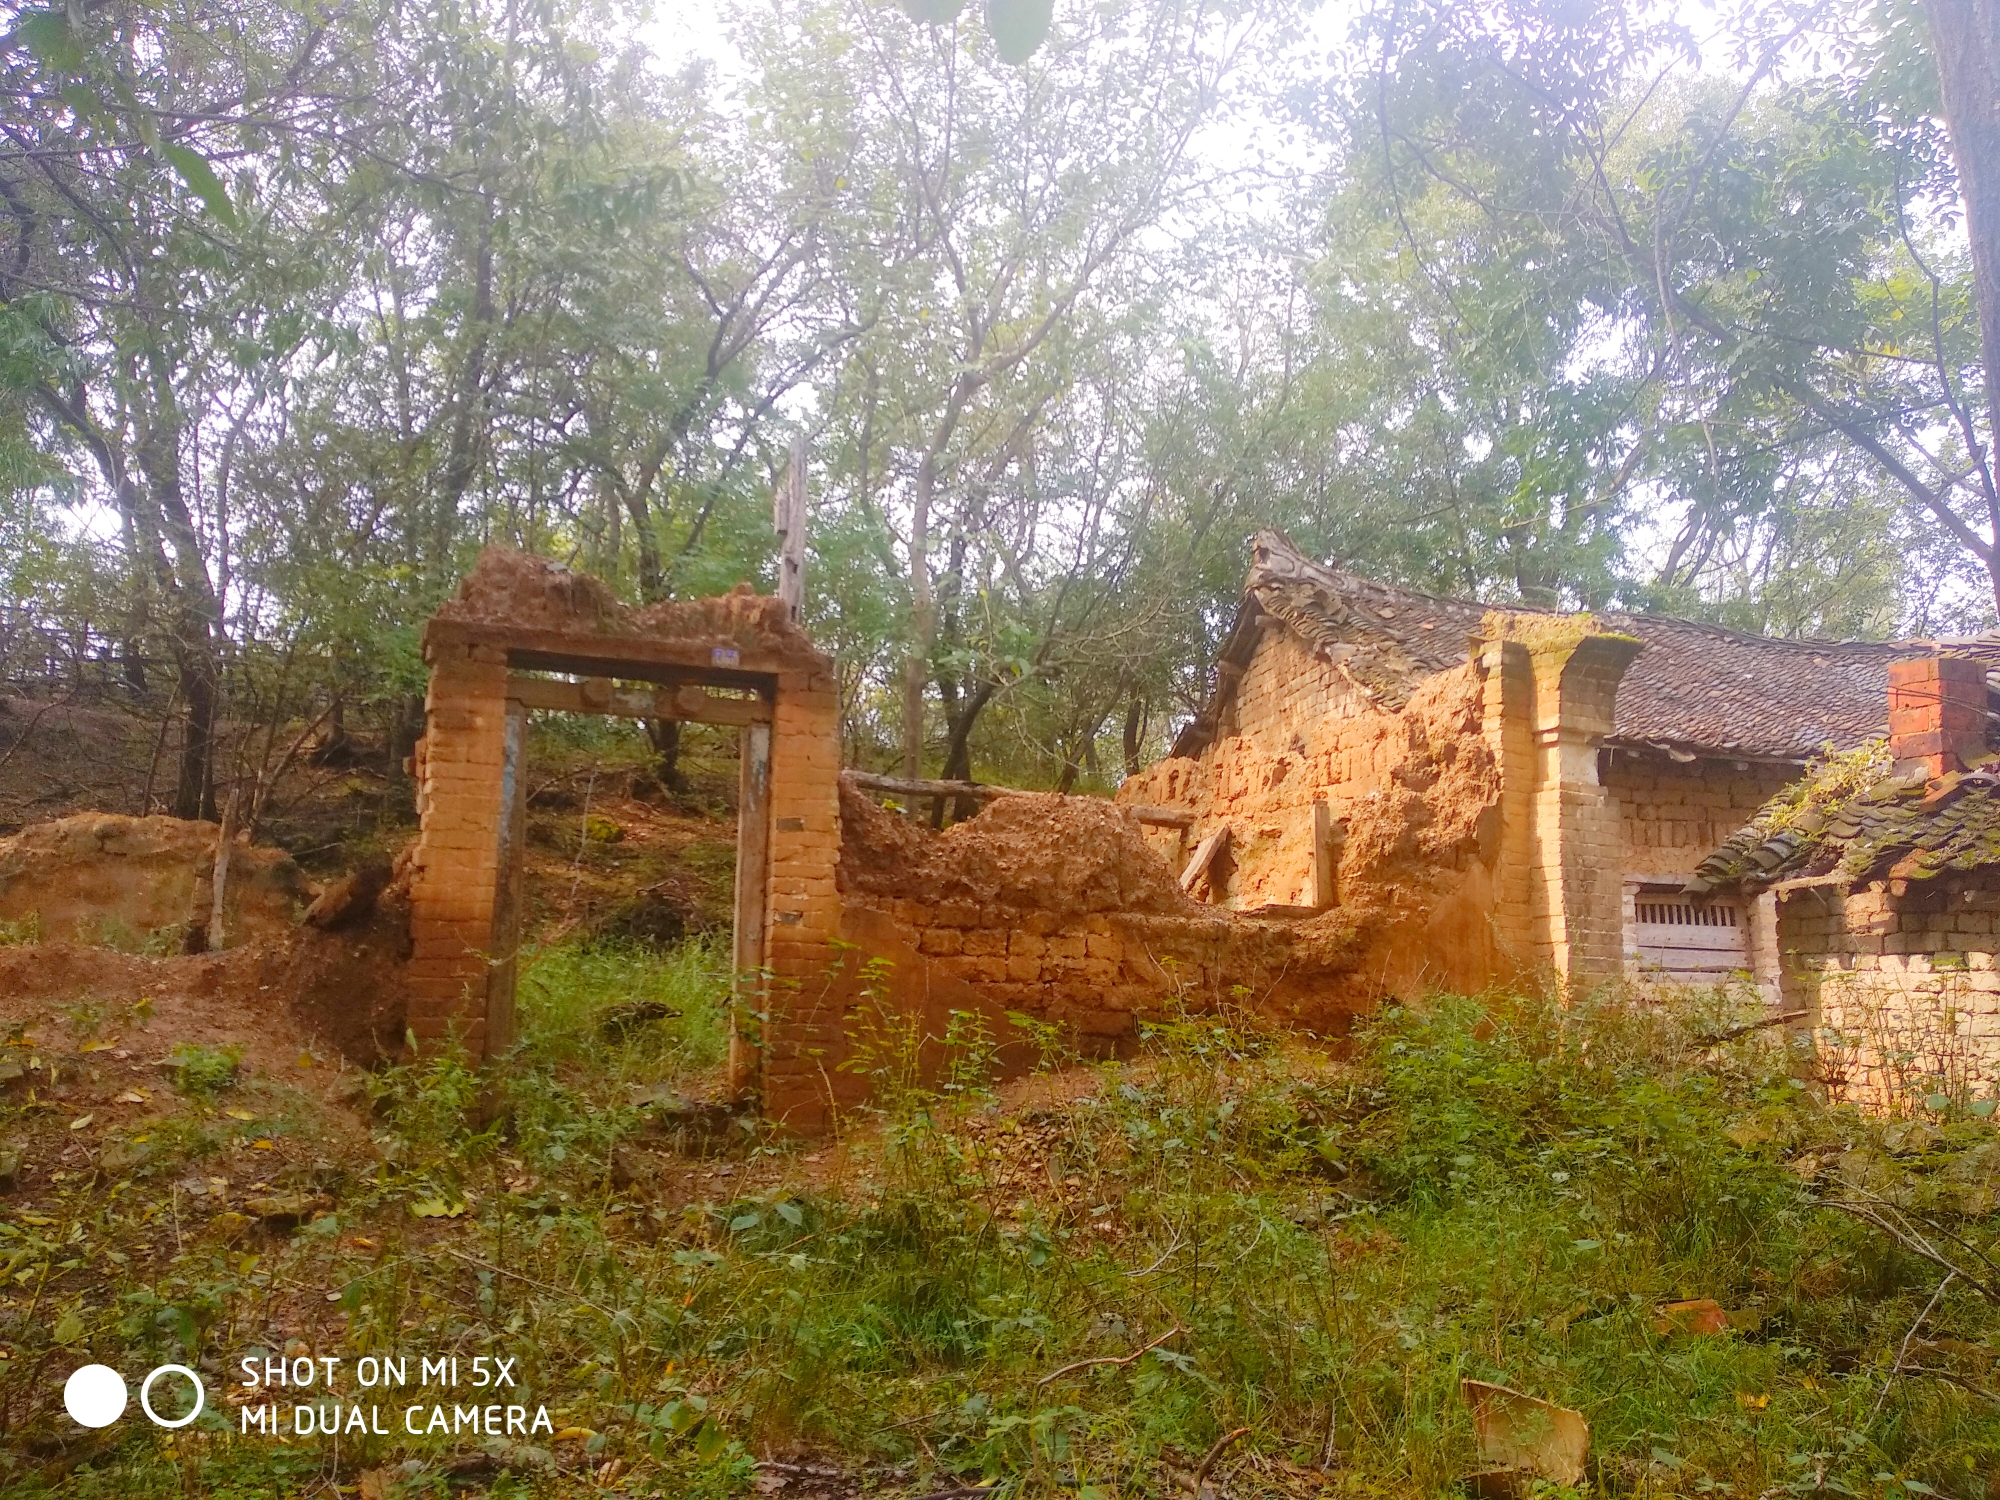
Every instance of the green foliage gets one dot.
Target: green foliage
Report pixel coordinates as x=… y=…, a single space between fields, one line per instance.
x=203 y=1072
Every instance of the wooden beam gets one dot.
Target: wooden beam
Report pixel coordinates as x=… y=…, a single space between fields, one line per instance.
x=638 y=658
x=1204 y=855
x=751 y=910
x=904 y=786
x=1328 y=838
x=599 y=695
x=788 y=515
x=505 y=947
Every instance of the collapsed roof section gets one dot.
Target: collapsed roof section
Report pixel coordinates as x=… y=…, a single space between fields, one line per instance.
x=1694 y=690
x=1892 y=828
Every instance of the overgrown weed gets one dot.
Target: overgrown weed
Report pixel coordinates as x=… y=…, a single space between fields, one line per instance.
x=1085 y=1280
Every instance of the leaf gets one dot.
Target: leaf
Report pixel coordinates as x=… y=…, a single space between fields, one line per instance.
x=709 y=1441
x=69 y=1328
x=80 y=1121
x=573 y=1435
x=239 y=1114
x=47 y=34
x=436 y=1208
x=194 y=170
x=263 y=1144
x=745 y=1221
x=102 y=1044
x=791 y=1213
x=1018 y=27
x=933 y=12
x=133 y=1096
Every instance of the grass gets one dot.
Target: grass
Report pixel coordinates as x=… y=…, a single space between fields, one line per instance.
x=959 y=1290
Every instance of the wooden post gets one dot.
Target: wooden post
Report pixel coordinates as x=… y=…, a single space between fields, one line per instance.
x=753 y=865
x=1328 y=836
x=1204 y=855
x=225 y=841
x=504 y=950
x=788 y=514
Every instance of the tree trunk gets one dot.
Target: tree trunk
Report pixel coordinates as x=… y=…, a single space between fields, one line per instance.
x=198 y=617
x=923 y=620
x=462 y=452
x=1966 y=36
x=958 y=749
x=1135 y=724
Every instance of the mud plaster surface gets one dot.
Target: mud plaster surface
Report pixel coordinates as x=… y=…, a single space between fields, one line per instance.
x=75 y=875
x=1042 y=852
x=509 y=589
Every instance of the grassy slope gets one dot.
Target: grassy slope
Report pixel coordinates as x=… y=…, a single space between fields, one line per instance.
x=1503 y=1193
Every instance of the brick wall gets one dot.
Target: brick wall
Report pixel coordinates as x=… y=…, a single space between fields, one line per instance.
x=1671 y=815
x=456 y=864
x=1300 y=736
x=803 y=1005
x=1902 y=995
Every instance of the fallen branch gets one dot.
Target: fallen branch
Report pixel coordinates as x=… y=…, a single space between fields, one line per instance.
x=1914 y=1242
x=1951 y=1379
x=1120 y=1360
x=1168 y=1255
x=1749 y=1026
x=1903 y=1349
x=566 y=1293
x=1214 y=1452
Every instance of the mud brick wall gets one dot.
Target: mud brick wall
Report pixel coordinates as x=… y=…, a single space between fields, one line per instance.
x=1287 y=691
x=1301 y=735
x=458 y=770
x=1902 y=994
x=1094 y=976
x=1672 y=815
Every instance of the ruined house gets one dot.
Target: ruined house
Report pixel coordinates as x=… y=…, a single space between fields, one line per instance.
x=1884 y=871
x=1512 y=789
x=1388 y=792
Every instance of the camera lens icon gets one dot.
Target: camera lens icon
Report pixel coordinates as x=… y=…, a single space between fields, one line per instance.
x=95 y=1396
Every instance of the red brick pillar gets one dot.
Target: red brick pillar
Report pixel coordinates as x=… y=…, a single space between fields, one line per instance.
x=804 y=1036
x=1937 y=714
x=456 y=867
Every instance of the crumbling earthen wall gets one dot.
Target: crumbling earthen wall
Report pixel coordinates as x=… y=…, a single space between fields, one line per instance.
x=1410 y=786
x=1901 y=996
x=1055 y=908
x=100 y=877
x=1480 y=847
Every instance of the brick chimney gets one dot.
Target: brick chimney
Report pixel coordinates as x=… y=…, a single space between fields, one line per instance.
x=1937 y=714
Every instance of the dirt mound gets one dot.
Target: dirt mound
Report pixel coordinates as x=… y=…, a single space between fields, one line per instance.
x=1072 y=855
x=118 y=880
x=347 y=987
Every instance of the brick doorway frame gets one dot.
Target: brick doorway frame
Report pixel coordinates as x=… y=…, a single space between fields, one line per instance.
x=466 y=903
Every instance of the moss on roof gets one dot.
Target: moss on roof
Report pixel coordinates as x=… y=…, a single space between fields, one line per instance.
x=1851 y=819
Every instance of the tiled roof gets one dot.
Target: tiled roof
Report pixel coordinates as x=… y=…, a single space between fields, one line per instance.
x=1695 y=689
x=1889 y=829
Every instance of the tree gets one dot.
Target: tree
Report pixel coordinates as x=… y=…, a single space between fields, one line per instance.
x=1743 y=271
